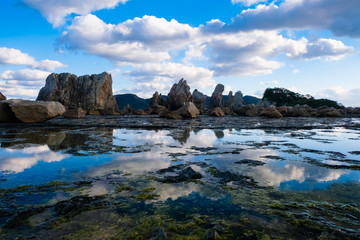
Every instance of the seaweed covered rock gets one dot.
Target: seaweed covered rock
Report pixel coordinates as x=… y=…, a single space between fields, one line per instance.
x=217 y=97
x=29 y=111
x=2 y=97
x=91 y=93
x=179 y=95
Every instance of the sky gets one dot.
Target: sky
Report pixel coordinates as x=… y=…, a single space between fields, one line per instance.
x=307 y=46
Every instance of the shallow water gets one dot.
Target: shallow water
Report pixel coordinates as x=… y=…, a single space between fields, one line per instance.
x=252 y=181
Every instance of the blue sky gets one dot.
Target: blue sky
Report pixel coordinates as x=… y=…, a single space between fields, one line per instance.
x=308 y=46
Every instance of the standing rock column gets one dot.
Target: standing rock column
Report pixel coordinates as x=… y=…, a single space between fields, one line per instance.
x=238 y=101
x=216 y=97
x=230 y=100
x=179 y=95
x=199 y=100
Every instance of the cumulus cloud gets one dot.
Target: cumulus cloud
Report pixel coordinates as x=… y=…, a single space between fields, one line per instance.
x=340 y=17
x=160 y=76
x=56 y=11
x=146 y=39
x=24 y=83
x=12 y=56
x=350 y=97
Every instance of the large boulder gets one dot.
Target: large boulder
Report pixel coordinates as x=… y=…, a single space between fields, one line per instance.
x=157 y=104
x=328 y=112
x=91 y=93
x=297 y=111
x=75 y=113
x=2 y=97
x=216 y=112
x=179 y=95
x=199 y=100
x=29 y=111
x=216 y=97
x=270 y=112
x=189 y=110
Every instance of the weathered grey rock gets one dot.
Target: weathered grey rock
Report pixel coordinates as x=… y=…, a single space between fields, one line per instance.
x=29 y=111
x=216 y=97
x=189 y=110
x=170 y=114
x=238 y=101
x=263 y=104
x=2 y=97
x=246 y=109
x=270 y=112
x=328 y=112
x=91 y=93
x=75 y=113
x=228 y=111
x=297 y=111
x=199 y=100
x=230 y=100
x=179 y=95
x=216 y=112
x=157 y=100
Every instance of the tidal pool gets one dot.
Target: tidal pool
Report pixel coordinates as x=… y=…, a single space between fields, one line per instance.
x=193 y=181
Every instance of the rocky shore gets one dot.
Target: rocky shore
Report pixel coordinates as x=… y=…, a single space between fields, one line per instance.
x=75 y=97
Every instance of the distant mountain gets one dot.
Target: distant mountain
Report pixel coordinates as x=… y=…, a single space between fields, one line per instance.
x=133 y=100
x=136 y=102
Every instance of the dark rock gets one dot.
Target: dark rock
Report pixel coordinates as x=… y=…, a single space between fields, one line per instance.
x=199 y=99
x=230 y=100
x=91 y=93
x=189 y=110
x=238 y=101
x=29 y=111
x=216 y=97
x=179 y=95
x=157 y=100
x=2 y=97
x=216 y=112
x=77 y=205
x=212 y=234
x=282 y=110
x=186 y=174
x=250 y=162
x=328 y=112
x=170 y=114
x=270 y=112
x=228 y=111
x=139 y=112
x=75 y=113
x=126 y=110
x=297 y=111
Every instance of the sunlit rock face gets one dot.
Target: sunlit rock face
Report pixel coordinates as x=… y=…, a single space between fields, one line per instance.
x=179 y=95
x=216 y=97
x=2 y=97
x=26 y=111
x=92 y=93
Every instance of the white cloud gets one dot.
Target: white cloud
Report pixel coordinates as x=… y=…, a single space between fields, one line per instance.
x=146 y=39
x=340 y=17
x=24 y=83
x=151 y=77
x=56 y=11
x=348 y=97
x=12 y=56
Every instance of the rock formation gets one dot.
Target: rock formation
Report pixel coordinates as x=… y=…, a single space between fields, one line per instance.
x=189 y=110
x=230 y=100
x=217 y=112
x=238 y=101
x=91 y=93
x=2 y=97
x=75 y=113
x=157 y=104
x=199 y=100
x=216 y=97
x=29 y=111
x=179 y=95
x=270 y=112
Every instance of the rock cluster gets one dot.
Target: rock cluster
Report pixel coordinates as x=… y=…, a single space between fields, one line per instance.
x=92 y=94
x=26 y=111
x=2 y=97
